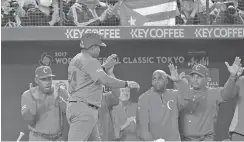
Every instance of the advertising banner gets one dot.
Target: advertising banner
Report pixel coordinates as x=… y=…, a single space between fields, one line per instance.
x=125 y=33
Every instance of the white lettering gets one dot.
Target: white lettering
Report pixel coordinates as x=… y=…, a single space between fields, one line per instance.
x=229 y=32
x=181 y=59
x=105 y=33
x=168 y=60
x=204 y=32
x=194 y=61
x=223 y=32
x=63 y=60
x=157 y=33
x=138 y=60
x=198 y=32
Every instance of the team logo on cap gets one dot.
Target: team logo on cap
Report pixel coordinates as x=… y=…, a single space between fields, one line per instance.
x=46 y=60
x=45 y=70
x=82 y=44
x=197 y=67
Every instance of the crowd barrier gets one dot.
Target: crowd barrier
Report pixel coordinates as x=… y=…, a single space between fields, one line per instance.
x=23 y=49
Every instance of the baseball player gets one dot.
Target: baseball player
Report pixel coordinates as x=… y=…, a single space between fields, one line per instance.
x=236 y=129
x=198 y=117
x=43 y=107
x=109 y=100
x=158 y=108
x=86 y=77
x=124 y=117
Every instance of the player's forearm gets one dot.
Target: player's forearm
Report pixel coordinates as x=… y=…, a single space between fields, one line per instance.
x=184 y=89
x=229 y=90
x=124 y=126
x=29 y=118
x=115 y=91
x=143 y=122
x=117 y=134
x=112 y=82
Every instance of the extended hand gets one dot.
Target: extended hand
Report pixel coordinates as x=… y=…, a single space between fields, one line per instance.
x=132 y=119
x=235 y=67
x=174 y=73
x=133 y=84
x=109 y=11
x=110 y=62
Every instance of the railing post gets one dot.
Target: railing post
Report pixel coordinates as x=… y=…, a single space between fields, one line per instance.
x=207 y=12
x=61 y=10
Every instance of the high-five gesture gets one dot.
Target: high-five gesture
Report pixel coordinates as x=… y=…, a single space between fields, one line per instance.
x=174 y=73
x=110 y=62
x=235 y=67
x=133 y=84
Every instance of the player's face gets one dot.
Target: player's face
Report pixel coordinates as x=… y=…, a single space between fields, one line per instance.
x=198 y=81
x=95 y=51
x=187 y=5
x=159 y=81
x=124 y=94
x=45 y=84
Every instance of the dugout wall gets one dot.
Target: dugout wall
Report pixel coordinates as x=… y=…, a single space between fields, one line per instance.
x=139 y=58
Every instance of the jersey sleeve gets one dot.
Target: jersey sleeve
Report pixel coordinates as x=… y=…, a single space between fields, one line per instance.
x=63 y=98
x=63 y=94
x=240 y=85
x=240 y=81
x=143 y=113
x=27 y=103
x=142 y=119
x=94 y=69
x=116 y=123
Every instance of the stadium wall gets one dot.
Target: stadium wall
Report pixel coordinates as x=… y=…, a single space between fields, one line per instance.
x=139 y=58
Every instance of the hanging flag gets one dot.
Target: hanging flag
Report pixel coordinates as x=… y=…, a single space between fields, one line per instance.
x=148 y=12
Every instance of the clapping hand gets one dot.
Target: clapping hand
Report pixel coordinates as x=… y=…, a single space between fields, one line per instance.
x=34 y=93
x=59 y=85
x=109 y=11
x=128 y=122
x=106 y=14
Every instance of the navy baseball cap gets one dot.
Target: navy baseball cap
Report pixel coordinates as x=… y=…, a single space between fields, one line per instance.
x=43 y=72
x=90 y=39
x=200 y=70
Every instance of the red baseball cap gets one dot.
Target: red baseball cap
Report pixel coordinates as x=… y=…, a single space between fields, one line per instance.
x=43 y=72
x=90 y=39
x=200 y=70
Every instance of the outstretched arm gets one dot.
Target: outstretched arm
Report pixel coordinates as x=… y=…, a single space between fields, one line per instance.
x=229 y=89
x=185 y=93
